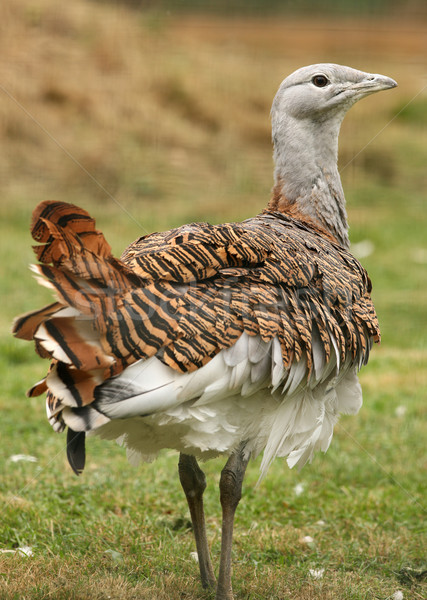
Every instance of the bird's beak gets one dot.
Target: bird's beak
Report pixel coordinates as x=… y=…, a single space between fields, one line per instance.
x=373 y=83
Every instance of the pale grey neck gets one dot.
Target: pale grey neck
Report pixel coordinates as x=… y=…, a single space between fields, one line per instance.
x=306 y=172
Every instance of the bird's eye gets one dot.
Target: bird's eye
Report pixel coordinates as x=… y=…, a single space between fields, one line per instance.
x=320 y=80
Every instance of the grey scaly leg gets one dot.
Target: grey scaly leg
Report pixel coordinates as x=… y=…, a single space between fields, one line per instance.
x=193 y=482
x=230 y=487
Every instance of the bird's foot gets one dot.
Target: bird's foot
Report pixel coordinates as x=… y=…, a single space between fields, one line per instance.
x=208 y=580
x=224 y=593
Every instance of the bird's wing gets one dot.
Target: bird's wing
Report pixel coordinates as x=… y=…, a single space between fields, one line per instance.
x=185 y=295
x=270 y=275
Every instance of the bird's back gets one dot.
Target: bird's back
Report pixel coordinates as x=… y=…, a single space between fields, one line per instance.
x=203 y=336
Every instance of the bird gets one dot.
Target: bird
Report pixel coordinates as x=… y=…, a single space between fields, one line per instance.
x=234 y=339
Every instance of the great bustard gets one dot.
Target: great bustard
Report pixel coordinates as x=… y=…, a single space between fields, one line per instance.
x=229 y=339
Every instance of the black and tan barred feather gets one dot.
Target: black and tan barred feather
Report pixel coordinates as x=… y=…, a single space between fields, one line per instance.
x=186 y=294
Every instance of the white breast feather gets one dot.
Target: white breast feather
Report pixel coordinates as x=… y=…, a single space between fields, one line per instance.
x=243 y=394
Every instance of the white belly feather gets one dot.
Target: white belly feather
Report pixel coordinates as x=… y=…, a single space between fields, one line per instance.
x=244 y=394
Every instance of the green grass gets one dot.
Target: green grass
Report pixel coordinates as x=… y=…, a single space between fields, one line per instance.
x=128 y=529
x=122 y=532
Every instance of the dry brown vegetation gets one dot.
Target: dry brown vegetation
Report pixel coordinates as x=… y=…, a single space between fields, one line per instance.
x=154 y=107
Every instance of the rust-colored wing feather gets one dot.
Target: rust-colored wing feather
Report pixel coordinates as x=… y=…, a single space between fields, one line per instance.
x=270 y=275
x=185 y=294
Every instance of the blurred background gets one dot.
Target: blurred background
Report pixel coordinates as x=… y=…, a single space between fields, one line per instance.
x=152 y=114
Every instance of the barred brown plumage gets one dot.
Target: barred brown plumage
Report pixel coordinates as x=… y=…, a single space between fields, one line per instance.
x=235 y=338
x=288 y=277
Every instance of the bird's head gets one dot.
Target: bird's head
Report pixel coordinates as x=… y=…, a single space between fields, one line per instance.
x=306 y=117
x=323 y=91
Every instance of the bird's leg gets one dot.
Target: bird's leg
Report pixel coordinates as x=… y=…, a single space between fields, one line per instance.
x=230 y=488
x=193 y=482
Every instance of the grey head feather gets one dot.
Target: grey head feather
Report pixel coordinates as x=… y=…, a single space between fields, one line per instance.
x=307 y=113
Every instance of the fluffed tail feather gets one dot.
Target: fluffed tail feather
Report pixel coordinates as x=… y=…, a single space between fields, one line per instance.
x=76 y=450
